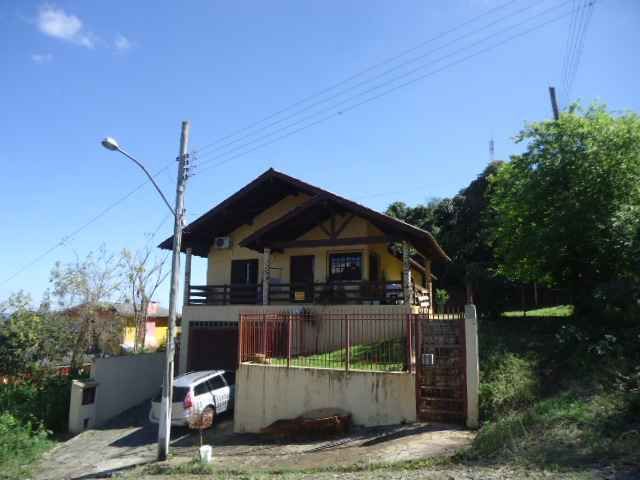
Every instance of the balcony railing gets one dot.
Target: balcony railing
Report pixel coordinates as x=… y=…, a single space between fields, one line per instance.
x=331 y=293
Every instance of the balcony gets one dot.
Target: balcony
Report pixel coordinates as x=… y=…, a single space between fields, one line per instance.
x=331 y=293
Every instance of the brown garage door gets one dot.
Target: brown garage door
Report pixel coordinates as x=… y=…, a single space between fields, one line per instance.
x=213 y=346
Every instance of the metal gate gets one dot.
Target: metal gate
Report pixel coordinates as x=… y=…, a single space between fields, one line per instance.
x=213 y=346
x=441 y=386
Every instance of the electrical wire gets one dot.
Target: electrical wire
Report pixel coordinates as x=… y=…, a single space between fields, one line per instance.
x=82 y=227
x=375 y=97
x=356 y=75
x=383 y=74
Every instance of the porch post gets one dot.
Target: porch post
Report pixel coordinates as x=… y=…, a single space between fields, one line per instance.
x=406 y=275
x=266 y=275
x=472 y=367
x=187 y=277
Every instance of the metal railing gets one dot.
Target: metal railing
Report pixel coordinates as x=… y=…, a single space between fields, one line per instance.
x=377 y=342
x=329 y=293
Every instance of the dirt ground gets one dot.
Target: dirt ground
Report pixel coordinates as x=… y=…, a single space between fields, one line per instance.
x=130 y=441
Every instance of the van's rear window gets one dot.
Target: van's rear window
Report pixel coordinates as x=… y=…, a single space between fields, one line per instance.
x=178 y=394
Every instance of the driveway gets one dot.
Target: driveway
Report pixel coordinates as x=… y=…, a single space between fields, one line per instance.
x=130 y=440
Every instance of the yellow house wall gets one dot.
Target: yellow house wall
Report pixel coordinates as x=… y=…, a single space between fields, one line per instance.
x=219 y=261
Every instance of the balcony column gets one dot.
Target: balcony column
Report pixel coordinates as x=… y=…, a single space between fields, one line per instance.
x=406 y=275
x=266 y=275
x=187 y=277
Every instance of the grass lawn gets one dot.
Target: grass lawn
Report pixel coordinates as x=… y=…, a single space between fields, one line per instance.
x=557 y=311
x=387 y=356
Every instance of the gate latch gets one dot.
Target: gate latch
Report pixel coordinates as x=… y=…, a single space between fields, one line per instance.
x=428 y=359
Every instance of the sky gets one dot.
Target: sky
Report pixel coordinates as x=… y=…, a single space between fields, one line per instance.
x=74 y=72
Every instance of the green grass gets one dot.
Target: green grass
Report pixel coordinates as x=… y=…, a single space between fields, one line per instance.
x=567 y=430
x=362 y=357
x=557 y=311
x=20 y=445
x=194 y=467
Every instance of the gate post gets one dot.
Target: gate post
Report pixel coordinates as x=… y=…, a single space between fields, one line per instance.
x=472 y=366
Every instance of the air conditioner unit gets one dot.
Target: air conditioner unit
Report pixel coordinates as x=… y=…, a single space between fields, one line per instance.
x=222 y=242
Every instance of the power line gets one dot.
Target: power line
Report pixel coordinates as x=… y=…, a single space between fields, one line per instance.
x=356 y=75
x=375 y=97
x=75 y=232
x=383 y=74
x=580 y=48
x=575 y=45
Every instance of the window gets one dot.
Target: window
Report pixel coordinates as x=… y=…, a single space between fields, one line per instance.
x=230 y=377
x=244 y=272
x=345 y=266
x=201 y=389
x=88 y=395
x=215 y=383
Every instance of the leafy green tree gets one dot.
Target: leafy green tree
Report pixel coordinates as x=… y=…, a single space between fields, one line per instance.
x=31 y=341
x=567 y=210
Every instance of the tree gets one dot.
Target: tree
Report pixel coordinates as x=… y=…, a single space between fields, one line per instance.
x=143 y=275
x=81 y=289
x=460 y=224
x=567 y=210
x=30 y=341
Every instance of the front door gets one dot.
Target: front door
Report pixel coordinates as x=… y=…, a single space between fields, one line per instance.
x=302 y=278
x=244 y=282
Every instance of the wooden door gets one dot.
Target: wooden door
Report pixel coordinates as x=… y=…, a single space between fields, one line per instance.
x=244 y=282
x=302 y=278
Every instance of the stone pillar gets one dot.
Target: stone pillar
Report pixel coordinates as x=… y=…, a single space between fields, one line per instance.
x=266 y=275
x=406 y=275
x=187 y=277
x=472 y=367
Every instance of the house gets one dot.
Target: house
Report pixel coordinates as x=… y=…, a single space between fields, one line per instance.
x=280 y=243
x=121 y=317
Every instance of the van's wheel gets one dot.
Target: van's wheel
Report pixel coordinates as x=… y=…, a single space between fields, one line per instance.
x=208 y=413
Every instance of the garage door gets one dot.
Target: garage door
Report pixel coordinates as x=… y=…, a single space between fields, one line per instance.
x=213 y=346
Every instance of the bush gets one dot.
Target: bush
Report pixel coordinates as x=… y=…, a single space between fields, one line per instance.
x=508 y=382
x=20 y=445
x=43 y=402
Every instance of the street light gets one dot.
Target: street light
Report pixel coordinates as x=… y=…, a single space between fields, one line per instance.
x=164 y=430
x=111 y=144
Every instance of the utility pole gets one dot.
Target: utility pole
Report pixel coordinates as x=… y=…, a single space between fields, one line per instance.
x=554 y=103
x=164 y=432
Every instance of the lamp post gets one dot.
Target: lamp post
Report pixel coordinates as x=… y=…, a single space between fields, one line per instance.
x=164 y=431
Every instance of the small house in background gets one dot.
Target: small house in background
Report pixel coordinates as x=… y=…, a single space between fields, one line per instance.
x=283 y=244
x=121 y=317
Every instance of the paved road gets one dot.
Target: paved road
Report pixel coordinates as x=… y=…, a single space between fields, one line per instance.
x=130 y=440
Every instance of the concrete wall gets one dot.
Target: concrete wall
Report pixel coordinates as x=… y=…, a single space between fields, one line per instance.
x=265 y=394
x=124 y=382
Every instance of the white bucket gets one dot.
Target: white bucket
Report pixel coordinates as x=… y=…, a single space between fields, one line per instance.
x=205 y=454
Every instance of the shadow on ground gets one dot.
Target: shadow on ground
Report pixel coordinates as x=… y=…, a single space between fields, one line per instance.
x=130 y=440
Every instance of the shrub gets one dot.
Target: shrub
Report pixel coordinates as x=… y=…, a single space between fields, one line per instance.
x=20 y=445
x=508 y=382
x=45 y=401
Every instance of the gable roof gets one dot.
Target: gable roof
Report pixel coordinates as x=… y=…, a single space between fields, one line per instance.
x=239 y=209
x=321 y=207
x=271 y=187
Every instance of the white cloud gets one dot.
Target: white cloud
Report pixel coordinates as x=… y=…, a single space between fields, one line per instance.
x=41 y=58
x=122 y=43
x=56 y=23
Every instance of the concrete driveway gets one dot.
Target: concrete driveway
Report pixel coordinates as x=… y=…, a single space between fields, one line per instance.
x=130 y=440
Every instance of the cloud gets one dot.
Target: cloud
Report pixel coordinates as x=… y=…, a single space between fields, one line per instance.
x=41 y=58
x=54 y=22
x=122 y=43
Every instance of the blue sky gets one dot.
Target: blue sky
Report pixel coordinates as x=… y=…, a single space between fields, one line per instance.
x=74 y=72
